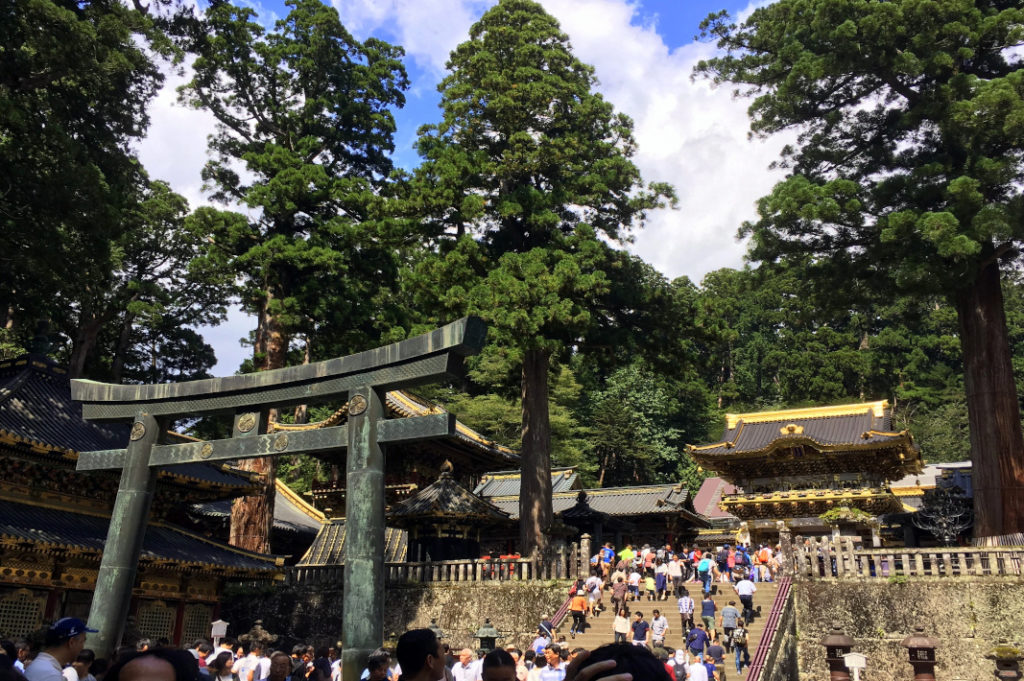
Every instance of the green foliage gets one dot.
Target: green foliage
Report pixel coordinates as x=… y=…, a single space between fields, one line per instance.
x=845 y=514
x=523 y=180
x=905 y=177
x=75 y=81
x=306 y=111
x=526 y=173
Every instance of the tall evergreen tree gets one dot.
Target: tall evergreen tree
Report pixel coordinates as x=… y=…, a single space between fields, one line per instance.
x=906 y=174
x=303 y=141
x=75 y=82
x=526 y=174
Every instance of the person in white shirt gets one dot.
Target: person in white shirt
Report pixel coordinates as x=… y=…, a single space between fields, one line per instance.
x=252 y=667
x=82 y=664
x=746 y=589
x=659 y=627
x=467 y=668
x=697 y=671
x=226 y=645
x=65 y=639
x=634 y=585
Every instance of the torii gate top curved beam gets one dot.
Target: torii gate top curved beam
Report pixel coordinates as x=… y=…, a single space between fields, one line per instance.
x=421 y=359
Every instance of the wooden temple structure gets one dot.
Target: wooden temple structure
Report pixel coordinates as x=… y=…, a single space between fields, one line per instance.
x=54 y=519
x=653 y=514
x=819 y=469
x=430 y=511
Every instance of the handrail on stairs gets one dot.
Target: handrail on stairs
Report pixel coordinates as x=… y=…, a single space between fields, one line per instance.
x=771 y=627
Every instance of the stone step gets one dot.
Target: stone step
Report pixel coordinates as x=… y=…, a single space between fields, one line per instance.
x=599 y=632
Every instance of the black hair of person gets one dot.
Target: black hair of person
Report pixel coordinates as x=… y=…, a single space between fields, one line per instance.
x=635 y=660
x=221 y=663
x=414 y=646
x=186 y=667
x=498 y=658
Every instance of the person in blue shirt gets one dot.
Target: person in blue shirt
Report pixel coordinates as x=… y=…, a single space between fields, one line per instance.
x=697 y=639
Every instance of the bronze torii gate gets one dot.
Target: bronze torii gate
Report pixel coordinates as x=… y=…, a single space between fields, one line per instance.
x=363 y=379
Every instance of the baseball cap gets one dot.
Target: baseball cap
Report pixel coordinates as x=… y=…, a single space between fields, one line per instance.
x=69 y=627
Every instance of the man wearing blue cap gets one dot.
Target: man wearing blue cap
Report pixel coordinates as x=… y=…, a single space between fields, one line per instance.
x=64 y=640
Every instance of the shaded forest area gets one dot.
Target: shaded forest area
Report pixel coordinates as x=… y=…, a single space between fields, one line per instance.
x=520 y=212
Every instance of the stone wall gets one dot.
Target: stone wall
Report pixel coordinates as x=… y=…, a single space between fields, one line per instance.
x=313 y=614
x=969 y=617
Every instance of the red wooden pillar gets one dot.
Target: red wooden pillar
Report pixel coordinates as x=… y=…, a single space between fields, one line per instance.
x=179 y=624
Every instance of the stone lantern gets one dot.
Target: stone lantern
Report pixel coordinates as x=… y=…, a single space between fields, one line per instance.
x=1007 y=659
x=488 y=636
x=436 y=629
x=922 y=654
x=836 y=645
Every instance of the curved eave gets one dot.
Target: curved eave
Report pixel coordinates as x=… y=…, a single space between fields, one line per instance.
x=270 y=563
x=301 y=504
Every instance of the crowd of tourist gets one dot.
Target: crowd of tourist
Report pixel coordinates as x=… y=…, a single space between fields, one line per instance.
x=628 y=576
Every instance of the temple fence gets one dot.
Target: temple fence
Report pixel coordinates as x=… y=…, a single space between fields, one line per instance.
x=841 y=558
x=564 y=563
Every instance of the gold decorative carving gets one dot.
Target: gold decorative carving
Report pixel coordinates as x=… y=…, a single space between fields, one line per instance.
x=281 y=443
x=206 y=451
x=138 y=430
x=246 y=422
x=791 y=429
x=357 y=405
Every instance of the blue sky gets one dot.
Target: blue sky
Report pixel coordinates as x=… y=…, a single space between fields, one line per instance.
x=643 y=52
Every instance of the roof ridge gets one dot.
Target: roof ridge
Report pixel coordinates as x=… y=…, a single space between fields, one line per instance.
x=876 y=407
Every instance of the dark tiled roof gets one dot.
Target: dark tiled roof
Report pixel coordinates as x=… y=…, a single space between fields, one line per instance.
x=825 y=427
x=445 y=497
x=329 y=546
x=506 y=483
x=402 y=403
x=619 y=501
x=62 y=528
x=36 y=410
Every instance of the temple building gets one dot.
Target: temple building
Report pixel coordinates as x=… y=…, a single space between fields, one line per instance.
x=653 y=514
x=430 y=511
x=819 y=469
x=54 y=519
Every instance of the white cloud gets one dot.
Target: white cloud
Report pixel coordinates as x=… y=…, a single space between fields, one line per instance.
x=175 y=148
x=428 y=29
x=687 y=133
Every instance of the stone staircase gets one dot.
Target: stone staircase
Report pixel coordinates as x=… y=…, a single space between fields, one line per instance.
x=599 y=629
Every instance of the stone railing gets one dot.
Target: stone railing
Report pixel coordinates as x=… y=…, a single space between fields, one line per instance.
x=775 y=657
x=564 y=563
x=842 y=558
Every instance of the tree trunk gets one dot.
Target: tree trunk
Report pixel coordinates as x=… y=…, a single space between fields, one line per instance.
x=535 y=513
x=997 y=444
x=86 y=337
x=123 y=340
x=252 y=517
